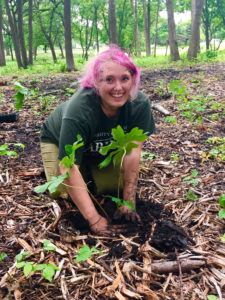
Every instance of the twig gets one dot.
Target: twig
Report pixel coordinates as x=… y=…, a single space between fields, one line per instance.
x=180 y=275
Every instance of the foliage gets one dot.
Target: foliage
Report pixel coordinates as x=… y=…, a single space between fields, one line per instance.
x=218 y=152
x=175 y=156
x=47 y=246
x=222 y=238
x=121 y=145
x=22 y=92
x=170 y=119
x=191 y=178
x=212 y=297
x=67 y=161
x=3 y=256
x=5 y=151
x=147 y=156
x=120 y=203
x=191 y=196
x=177 y=88
x=85 y=252
x=222 y=204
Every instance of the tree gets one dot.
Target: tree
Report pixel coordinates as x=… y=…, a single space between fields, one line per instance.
x=136 y=39
x=30 y=29
x=112 y=23
x=147 y=26
x=21 y=33
x=14 y=33
x=70 y=66
x=196 y=14
x=156 y=26
x=2 y=53
x=174 y=52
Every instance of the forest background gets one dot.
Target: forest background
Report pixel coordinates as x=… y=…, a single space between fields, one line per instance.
x=73 y=30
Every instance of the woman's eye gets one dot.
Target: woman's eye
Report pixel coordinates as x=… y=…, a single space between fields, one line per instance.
x=109 y=80
x=125 y=78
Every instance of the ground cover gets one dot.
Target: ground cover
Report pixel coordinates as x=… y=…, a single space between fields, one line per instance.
x=176 y=253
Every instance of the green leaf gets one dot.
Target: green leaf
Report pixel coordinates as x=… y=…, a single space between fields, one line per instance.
x=19 y=97
x=3 y=255
x=222 y=214
x=28 y=268
x=129 y=204
x=84 y=253
x=21 y=256
x=222 y=200
x=49 y=271
x=41 y=188
x=55 y=182
x=47 y=247
x=212 y=297
x=222 y=238
x=93 y=249
x=191 y=195
x=116 y=200
x=118 y=134
x=20 y=264
x=39 y=267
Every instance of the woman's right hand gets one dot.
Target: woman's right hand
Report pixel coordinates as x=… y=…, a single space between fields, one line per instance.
x=102 y=227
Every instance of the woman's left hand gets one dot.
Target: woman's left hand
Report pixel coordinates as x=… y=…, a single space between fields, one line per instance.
x=130 y=215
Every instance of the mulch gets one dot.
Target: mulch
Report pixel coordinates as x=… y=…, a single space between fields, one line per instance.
x=174 y=253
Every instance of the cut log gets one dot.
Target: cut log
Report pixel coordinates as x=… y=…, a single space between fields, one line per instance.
x=161 y=109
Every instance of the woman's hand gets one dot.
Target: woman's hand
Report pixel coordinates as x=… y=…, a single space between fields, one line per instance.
x=130 y=215
x=102 y=227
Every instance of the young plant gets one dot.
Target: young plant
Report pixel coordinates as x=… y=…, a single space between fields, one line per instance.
x=147 y=156
x=175 y=156
x=121 y=145
x=222 y=204
x=212 y=297
x=222 y=238
x=48 y=270
x=218 y=152
x=3 y=256
x=191 y=179
x=85 y=252
x=47 y=246
x=170 y=119
x=22 y=92
x=191 y=196
x=5 y=151
x=67 y=161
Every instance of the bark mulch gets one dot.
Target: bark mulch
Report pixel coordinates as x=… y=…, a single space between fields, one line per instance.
x=176 y=252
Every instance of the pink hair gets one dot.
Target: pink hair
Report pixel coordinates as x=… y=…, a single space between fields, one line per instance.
x=94 y=67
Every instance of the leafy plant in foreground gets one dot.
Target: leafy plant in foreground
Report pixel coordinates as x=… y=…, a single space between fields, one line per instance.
x=22 y=92
x=5 y=151
x=191 y=179
x=85 y=252
x=67 y=161
x=122 y=145
x=222 y=204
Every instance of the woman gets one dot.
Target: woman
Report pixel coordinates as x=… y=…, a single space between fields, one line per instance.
x=108 y=97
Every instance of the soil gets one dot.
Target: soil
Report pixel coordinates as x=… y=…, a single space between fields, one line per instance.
x=172 y=228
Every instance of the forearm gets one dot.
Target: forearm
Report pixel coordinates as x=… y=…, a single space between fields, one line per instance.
x=130 y=178
x=78 y=192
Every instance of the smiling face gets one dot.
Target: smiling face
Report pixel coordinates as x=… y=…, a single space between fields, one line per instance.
x=114 y=87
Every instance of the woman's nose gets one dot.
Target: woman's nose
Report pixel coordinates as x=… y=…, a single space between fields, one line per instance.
x=117 y=85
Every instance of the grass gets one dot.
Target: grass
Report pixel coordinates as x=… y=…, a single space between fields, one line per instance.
x=45 y=66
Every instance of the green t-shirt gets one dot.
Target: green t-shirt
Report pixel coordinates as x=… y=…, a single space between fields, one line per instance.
x=83 y=115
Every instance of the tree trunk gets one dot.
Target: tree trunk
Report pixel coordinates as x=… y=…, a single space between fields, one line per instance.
x=70 y=66
x=112 y=23
x=197 y=7
x=174 y=52
x=147 y=26
x=30 y=26
x=61 y=48
x=96 y=28
x=14 y=35
x=137 y=34
x=156 y=27
x=2 y=53
x=21 y=33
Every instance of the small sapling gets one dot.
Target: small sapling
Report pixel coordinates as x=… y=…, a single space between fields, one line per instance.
x=121 y=145
x=85 y=252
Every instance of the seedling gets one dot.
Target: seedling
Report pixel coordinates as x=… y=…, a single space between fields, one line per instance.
x=147 y=156
x=191 y=179
x=191 y=196
x=122 y=145
x=5 y=151
x=170 y=119
x=175 y=157
x=48 y=270
x=85 y=252
x=222 y=204
x=68 y=161
x=120 y=203
x=3 y=256
x=22 y=92
x=218 y=152
x=46 y=246
x=222 y=238
x=177 y=88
